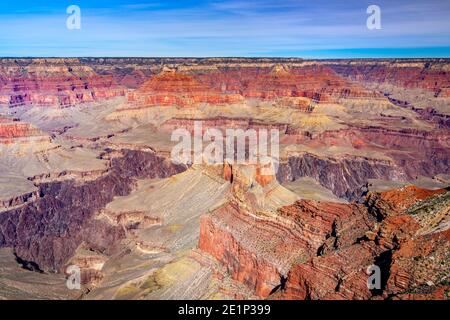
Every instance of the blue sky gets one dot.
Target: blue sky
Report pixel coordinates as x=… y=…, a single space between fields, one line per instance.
x=203 y=28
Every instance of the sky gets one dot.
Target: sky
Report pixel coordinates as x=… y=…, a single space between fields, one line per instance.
x=238 y=28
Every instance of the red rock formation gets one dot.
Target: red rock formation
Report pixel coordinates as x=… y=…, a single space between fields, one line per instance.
x=443 y=93
x=407 y=74
x=227 y=172
x=171 y=88
x=307 y=250
x=390 y=139
x=58 y=84
x=338 y=275
x=258 y=250
x=419 y=268
x=398 y=200
x=414 y=232
x=244 y=265
x=316 y=250
x=49 y=230
x=12 y=130
x=315 y=82
x=59 y=91
x=17 y=130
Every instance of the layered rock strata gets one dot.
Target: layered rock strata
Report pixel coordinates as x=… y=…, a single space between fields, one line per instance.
x=50 y=229
x=319 y=250
x=429 y=75
x=63 y=84
x=172 y=88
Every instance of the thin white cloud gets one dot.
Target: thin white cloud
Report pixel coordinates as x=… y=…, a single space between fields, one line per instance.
x=246 y=26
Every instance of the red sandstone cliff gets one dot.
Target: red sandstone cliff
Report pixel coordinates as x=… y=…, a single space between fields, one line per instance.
x=172 y=88
x=316 y=82
x=11 y=131
x=428 y=75
x=62 y=84
x=317 y=250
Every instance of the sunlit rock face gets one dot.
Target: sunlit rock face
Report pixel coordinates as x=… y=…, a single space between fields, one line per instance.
x=11 y=129
x=315 y=82
x=53 y=83
x=87 y=178
x=18 y=137
x=429 y=75
x=314 y=250
x=173 y=88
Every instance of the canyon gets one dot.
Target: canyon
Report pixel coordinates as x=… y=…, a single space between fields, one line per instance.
x=87 y=179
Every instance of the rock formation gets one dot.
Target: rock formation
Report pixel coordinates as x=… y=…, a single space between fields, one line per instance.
x=317 y=250
x=86 y=178
x=60 y=85
x=11 y=129
x=173 y=88
x=17 y=137
x=316 y=82
x=50 y=229
x=410 y=74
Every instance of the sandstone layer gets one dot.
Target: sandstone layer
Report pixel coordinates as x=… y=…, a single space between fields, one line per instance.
x=319 y=250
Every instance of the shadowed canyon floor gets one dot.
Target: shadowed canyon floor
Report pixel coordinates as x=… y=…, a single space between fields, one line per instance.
x=86 y=179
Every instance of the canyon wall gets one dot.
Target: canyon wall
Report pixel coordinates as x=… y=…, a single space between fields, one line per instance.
x=411 y=153
x=172 y=88
x=48 y=230
x=320 y=250
x=432 y=75
x=64 y=83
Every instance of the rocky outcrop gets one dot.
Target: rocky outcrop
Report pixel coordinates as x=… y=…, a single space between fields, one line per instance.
x=314 y=81
x=338 y=275
x=412 y=153
x=13 y=128
x=405 y=139
x=258 y=247
x=62 y=84
x=397 y=201
x=344 y=177
x=50 y=229
x=173 y=88
x=318 y=250
x=16 y=136
x=430 y=75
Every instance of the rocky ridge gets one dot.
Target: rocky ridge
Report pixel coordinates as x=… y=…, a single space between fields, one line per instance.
x=319 y=250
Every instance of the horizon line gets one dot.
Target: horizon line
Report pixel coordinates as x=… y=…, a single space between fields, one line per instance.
x=225 y=57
